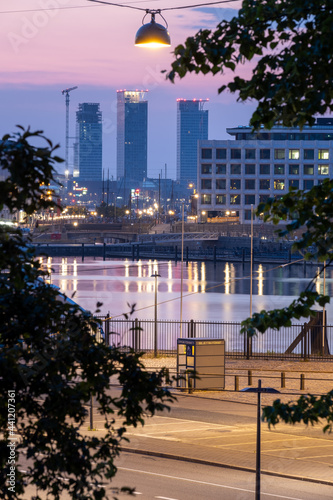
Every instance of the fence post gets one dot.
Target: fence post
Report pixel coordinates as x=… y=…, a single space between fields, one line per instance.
x=191 y=329
x=236 y=383
x=249 y=377
x=283 y=380
x=107 y=331
x=302 y=385
x=136 y=335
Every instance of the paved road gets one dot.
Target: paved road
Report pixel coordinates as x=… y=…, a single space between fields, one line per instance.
x=208 y=431
x=163 y=479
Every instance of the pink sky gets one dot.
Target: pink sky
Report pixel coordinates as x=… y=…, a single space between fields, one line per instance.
x=92 y=46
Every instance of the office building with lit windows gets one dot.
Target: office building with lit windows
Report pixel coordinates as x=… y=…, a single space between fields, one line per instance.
x=88 y=147
x=235 y=174
x=132 y=126
x=192 y=126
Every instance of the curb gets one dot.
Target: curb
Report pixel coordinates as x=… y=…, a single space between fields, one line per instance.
x=224 y=466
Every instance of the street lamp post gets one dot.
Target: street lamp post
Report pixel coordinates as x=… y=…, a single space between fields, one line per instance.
x=259 y=390
x=155 y=275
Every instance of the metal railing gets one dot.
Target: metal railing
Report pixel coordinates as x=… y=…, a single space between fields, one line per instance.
x=294 y=342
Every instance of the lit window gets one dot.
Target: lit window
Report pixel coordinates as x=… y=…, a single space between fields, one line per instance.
x=279 y=184
x=235 y=199
x=293 y=154
x=220 y=199
x=323 y=154
x=323 y=169
x=206 y=199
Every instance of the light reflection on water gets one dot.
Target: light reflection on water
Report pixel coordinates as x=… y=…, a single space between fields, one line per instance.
x=217 y=293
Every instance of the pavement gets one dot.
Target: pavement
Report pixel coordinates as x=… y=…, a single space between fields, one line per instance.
x=205 y=429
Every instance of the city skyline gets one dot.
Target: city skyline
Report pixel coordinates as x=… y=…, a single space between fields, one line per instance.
x=51 y=45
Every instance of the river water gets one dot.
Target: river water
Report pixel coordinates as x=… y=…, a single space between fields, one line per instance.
x=210 y=293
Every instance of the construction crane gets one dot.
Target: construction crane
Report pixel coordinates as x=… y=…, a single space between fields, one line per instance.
x=66 y=93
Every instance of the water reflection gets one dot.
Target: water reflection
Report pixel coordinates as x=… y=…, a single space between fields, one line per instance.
x=209 y=291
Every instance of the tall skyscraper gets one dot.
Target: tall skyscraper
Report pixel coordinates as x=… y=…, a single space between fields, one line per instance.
x=88 y=148
x=132 y=124
x=192 y=126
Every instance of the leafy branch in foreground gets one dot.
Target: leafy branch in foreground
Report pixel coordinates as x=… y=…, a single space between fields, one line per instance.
x=287 y=48
x=308 y=409
x=50 y=361
x=310 y=214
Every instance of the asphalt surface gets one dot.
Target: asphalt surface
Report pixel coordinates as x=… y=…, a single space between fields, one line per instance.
x=210 y=431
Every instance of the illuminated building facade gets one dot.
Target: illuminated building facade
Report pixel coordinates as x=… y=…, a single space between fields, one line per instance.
x=88 y=147
x=192 y=126
x=235 y=174
x=132 y=126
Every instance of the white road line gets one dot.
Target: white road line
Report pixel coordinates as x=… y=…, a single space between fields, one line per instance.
x=167 y=498
x=204 y=482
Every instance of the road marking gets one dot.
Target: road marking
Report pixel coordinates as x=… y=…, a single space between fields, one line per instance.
x=203 y=482
x=167 y=498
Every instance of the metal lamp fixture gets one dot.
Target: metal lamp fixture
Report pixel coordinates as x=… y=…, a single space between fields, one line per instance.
x=153 y=34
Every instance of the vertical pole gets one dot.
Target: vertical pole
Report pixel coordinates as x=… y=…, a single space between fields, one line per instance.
x=249 y=341
x=258 y=464
x=82 y=252
x=181 y=275
x=155 y=275
x=324 y=315
x=91 y=413
x=104 y=249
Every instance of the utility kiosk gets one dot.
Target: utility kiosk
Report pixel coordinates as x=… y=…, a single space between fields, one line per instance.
x=206 y=357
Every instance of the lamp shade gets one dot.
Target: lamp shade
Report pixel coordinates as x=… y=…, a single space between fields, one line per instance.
x=152 y=35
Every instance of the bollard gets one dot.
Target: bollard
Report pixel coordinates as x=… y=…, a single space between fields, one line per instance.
x=236 y=383
x=190 y=387
x=302 y=382
x=249 y=377
x=283 y=380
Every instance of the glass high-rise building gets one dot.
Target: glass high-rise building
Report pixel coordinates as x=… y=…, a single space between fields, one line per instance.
x=132 y=125
x=88 y=148
x=192 y=126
